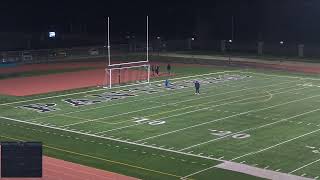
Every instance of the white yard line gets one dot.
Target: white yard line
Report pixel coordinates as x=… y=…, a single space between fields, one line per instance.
x=250 y=129
x=254 y=171
x=265 y=100
x=284 y=76
x=51 y=97
x=262 y=150
x=175 y=103
x=305 y=166
x=198 y=172
x=187 y=107
x=108 y=138
x=201 y=124
x=95 y=90
x=188 y=112
x=143 y=99
x=276 y=145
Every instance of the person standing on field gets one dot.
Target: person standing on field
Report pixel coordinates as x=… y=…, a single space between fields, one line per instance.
x=167 y=83
x=157 y=70
x=197 y=87
x=169 y=69
x=152 y=69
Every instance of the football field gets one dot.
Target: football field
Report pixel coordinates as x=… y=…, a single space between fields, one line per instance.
x=263 y=119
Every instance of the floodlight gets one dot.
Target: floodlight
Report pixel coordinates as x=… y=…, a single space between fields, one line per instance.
x=52 y=34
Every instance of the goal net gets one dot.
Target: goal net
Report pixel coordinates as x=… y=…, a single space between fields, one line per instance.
x=127 y=75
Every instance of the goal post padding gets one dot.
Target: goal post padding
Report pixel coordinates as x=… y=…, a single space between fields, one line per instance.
x=127 y=74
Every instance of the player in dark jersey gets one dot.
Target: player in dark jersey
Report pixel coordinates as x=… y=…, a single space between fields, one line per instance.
x=197 y=87
x=169 y=69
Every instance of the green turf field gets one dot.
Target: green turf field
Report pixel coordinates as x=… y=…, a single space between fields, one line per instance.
x=263 y=119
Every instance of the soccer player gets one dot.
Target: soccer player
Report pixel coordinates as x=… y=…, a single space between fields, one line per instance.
x=169 y=68
x=166 y=83
x=152 y=69
x=157 y=69
x=197 y=86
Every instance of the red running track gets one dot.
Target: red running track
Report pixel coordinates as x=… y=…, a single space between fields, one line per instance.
x=25 y=86
x=55 y=169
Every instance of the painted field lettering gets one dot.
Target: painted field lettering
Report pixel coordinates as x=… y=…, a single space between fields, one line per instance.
x=315 y=150
x=241 y=136
x=41 y=108
x=143 y=120
x=227 y=133
x=219 y=133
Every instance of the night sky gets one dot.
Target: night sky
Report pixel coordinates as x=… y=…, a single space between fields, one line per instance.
x=291 y=20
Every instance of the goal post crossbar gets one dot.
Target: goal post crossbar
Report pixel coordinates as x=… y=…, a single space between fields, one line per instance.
x=128 y=63
x=109 y=75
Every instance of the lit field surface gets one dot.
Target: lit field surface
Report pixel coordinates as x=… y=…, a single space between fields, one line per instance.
x=262 y=119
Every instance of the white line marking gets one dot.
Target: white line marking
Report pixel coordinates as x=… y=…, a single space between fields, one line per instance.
x=276 y=145
x=305 y=166
x=95 y=90
x=51 y=97
x=243 y=113
x=185 y=177
x=138 y=100
x=107 y=138
x=295 y=77
x=250 y=129
x=310 y=147
x=192 y=111
x=154 y=107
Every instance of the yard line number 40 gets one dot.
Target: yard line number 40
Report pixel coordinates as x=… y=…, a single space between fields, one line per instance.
x=228 y=133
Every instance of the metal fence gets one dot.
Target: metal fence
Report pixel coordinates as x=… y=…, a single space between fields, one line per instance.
x=56 y=55
x=280 y=48
x=159 y=45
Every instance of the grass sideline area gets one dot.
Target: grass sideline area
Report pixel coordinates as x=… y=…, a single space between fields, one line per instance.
x=267 y=120
x=269 y=57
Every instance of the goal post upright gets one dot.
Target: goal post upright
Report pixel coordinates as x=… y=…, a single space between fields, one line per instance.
x=110 y=78
x=126 y=65
x=148 y=73
x=108 y=44
x=147 y=38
